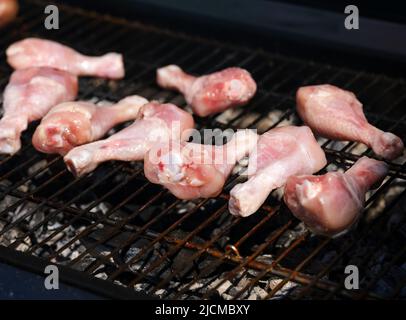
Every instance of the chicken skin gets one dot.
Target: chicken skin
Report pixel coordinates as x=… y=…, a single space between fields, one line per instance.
x=192 y=170
x=155 y=123
x=281 y=152
x=337 y=114
x=29 y=95
x=45 y=53
x=331 y=203
x=71 y=124
x=212 y=93
x=8 y=11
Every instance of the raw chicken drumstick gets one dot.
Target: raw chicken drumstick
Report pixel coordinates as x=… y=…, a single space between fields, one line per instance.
x=280 y=153
x=45 y=53
x=71 y=124
x=337 y=114
x=29 y=95
x=8 y=11
x=192 y=170
x=156 y=123
x=212 y=93
x=331 y=203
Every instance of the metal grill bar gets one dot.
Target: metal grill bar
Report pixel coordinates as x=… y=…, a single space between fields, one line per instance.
x=232 y=248
x=348 y=246
x=75 y=218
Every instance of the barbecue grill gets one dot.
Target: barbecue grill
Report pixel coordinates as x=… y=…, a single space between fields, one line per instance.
x=116 y=234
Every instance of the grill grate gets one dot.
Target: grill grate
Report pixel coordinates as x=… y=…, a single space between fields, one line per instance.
x=115 y=225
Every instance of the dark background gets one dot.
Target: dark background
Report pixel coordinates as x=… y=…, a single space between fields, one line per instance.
x=306 y=27
x=386 y=10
